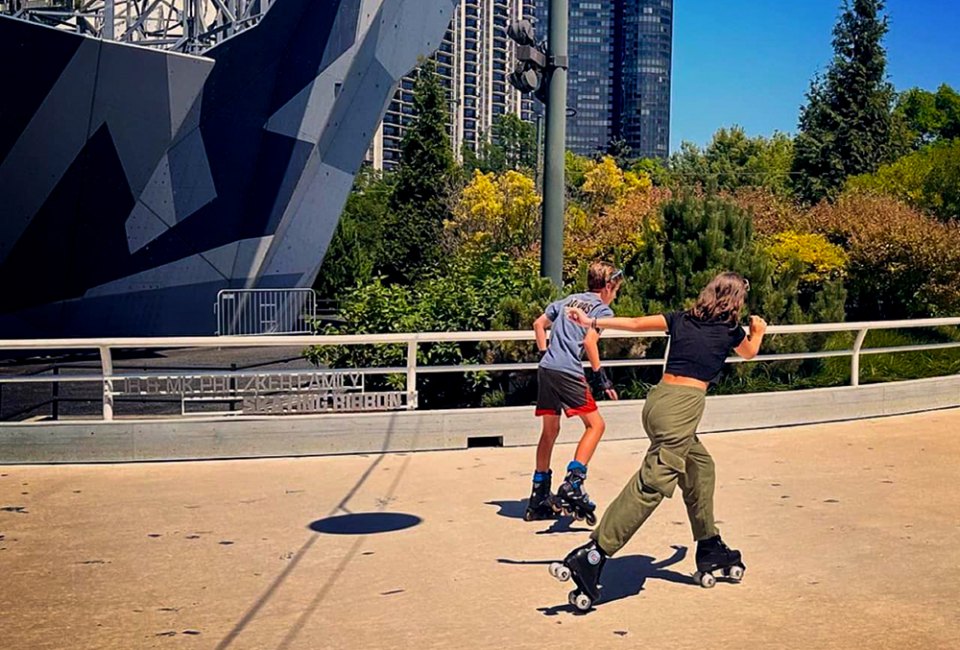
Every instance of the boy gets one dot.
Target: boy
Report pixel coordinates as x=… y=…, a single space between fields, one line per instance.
x=562 y=387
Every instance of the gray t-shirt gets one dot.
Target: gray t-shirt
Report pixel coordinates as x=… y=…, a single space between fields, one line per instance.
x=565 y=348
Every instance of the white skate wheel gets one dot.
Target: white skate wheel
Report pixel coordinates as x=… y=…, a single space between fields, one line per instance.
x=560 y=571
x=706 y=580
x=735 y=573
x=582 y=602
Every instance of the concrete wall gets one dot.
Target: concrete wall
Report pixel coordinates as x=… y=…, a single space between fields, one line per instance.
x=245 y=437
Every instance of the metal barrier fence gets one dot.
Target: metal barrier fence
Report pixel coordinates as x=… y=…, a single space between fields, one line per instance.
x=259 y=312
x=108 y=377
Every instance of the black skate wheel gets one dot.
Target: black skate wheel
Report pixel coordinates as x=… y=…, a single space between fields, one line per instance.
x=591 y=519
x=528 y=515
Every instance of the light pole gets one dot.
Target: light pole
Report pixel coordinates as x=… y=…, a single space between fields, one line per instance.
x=543 y=71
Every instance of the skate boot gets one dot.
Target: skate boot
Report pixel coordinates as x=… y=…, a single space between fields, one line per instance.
x=714 y=555
x=572 y=498
x=584 y=565
x=541 y=502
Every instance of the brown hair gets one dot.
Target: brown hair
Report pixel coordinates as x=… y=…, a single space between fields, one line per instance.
x=722 y=298
x=599 y=274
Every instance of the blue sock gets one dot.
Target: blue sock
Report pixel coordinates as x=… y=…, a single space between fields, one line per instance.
x=576 y=465
x=540 y=477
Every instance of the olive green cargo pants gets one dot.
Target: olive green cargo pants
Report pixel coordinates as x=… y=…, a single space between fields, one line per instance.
x=675 y=457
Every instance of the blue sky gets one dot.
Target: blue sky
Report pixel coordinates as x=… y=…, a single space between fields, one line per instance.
x=749 y=62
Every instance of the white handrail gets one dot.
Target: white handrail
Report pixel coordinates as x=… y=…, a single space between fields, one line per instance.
x=411 y=341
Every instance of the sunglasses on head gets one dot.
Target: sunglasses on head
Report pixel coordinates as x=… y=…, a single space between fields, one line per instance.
x=616 y=275
x=746 y=284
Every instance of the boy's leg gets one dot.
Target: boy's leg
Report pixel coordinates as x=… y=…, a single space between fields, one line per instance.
x=548 y=437
x=571 y=493
x=593 y=428
x=697 y=484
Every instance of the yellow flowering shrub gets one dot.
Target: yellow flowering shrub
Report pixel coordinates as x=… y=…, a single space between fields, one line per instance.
x=818 y=259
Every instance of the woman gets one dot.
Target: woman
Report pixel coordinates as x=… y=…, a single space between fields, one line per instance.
x=700 y=341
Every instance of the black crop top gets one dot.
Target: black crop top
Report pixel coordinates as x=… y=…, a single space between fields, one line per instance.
x=698 y=348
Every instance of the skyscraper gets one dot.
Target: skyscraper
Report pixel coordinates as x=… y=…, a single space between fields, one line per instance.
x=590 y=77
x=642 y=72
x=619 y=78
x=473 y=63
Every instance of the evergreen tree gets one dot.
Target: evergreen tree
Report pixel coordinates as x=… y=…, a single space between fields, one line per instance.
x=419 y=203
x=846 y=127
x=357 y=250
x=512 y=145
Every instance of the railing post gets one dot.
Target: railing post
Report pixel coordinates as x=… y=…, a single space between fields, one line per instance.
x=855 y=360
x=412 y=374
x=106 y=361
x=55 y=394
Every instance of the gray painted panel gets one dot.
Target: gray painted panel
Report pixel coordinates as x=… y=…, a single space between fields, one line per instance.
x=158 y=193
x=143 y=226
x=306 y=115
x=185 y=79
x=408 y=26
x=181 y=273
x=310 y=230
x=48 y=145
x=131 y=97
x=190 y=175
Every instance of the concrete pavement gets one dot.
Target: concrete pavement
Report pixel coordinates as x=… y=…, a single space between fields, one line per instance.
x=849 y=532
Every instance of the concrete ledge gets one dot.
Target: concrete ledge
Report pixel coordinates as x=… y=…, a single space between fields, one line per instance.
x=251 y=437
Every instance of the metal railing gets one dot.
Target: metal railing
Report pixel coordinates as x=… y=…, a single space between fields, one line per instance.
x=260 y=312
x=412 y=341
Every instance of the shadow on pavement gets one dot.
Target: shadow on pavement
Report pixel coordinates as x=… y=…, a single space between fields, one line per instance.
x=365 y=523
x=515 y=510
x=622 y=577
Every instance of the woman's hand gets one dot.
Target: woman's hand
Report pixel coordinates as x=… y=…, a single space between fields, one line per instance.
x=578 y=316
x=758 y=326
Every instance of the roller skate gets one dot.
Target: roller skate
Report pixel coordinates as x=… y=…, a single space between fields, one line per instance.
x=584 y=565
x=572 y=498
x=541 y=504
x=713 y=555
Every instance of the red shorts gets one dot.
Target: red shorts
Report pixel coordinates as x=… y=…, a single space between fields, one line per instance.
x=562 y=392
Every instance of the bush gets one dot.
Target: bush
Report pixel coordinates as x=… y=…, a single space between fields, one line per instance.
x=489 y=293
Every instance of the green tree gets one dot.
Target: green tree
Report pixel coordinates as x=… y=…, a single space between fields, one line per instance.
x=620 y=151
x=733 y=160
x=424 y=179
x=846 y=127
x=695 y=238
x=654 y=168
x=929 y=117
x=357 y=249
x=512 y=145
x=928 y=179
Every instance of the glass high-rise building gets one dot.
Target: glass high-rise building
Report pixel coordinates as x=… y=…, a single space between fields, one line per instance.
x=642 y=69
x=618 y=85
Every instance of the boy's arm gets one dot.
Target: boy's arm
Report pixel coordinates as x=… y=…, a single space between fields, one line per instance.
x=592 y=349
x=600 y=381
x=540 y=331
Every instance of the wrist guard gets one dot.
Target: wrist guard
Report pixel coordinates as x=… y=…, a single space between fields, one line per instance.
x=600 y=382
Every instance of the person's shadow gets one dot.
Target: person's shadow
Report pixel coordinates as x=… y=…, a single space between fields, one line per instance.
x=622 y=576
x=516 y=509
